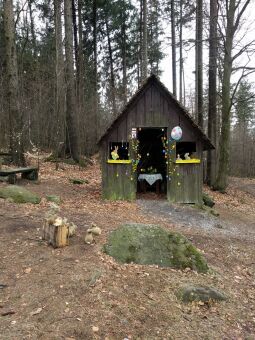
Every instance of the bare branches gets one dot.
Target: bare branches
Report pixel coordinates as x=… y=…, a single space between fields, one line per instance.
x=241 y=12
x=245 y=48
x=20 y=11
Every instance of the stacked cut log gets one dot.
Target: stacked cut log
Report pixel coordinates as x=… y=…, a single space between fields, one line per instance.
x=56 y=232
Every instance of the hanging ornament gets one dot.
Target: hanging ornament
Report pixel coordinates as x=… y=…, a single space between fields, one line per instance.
x=176 y=133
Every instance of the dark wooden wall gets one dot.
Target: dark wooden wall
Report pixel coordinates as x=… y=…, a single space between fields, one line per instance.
x=152 y=108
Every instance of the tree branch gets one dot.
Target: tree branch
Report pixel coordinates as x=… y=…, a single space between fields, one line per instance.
x=243 y=49
x=238 y=18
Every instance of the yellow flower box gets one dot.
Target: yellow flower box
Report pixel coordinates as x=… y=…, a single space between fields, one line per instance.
x=123 y=161
x=187 y=161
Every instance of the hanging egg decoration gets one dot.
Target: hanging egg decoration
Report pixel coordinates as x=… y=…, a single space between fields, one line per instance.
x=176 y=133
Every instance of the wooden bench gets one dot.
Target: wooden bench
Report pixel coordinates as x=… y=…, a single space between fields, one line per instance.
x=27 y=173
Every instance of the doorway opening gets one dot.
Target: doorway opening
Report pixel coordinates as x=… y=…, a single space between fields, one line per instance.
x=152 y=167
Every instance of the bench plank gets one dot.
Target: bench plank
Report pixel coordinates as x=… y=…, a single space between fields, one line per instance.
x=27 y=173
x=6 y=172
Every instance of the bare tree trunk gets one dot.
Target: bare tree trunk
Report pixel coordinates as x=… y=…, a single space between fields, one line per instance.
x=144 y=43
x=181 y=56
x=32 y=26
x=80 y=64
x=72 y=131
x=173 y=48
x=199 y=62
x=92 y=121
x=112 y=80
x=75 y=33
x=13 y=95
x=221 y=180
x=234 y=10
x=59 y=75
x=212 y=104
x=124 y=60
x=140 y=44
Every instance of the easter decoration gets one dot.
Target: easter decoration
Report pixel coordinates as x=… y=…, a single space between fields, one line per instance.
x=94 y=230
x=176 y=133
x=136 y=155
x=114 y=153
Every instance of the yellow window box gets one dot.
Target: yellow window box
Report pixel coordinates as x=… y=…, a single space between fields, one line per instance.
x=123 y=161
x=187 y=161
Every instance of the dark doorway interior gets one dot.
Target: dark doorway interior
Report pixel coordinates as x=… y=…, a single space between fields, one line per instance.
x=153 y=158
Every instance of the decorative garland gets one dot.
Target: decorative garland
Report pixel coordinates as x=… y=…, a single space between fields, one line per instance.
x=134 y=146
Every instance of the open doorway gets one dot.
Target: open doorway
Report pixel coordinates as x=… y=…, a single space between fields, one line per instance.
x=152 y=167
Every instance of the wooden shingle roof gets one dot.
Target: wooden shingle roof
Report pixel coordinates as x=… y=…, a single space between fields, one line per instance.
x=154 y=79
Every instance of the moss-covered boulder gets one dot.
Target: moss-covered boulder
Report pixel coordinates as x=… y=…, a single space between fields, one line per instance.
x=208 y=200
x=19 y=194
x=78 y=181
x=150 y=244
x=53 y=198
x=204 y=294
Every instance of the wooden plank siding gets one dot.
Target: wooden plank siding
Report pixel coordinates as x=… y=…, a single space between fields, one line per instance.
x=152 y=108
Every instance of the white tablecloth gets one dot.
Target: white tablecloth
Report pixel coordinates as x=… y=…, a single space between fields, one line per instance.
x=150 y=178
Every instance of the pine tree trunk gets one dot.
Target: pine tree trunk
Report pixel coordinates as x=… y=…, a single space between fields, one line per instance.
x=80 y=64
x=144 y=43
x=112 y=80
x=173 y=48
x=124 y=61
x=75 y=33
x=71 y=124
x=13 y=95
x=59 y=76
x=181 y=57
x=212 y=104
x=199 y=62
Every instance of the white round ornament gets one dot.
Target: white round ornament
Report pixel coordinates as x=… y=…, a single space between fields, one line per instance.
x=176 y=133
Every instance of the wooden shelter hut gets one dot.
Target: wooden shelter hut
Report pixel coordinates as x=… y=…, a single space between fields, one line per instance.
x=139 y=153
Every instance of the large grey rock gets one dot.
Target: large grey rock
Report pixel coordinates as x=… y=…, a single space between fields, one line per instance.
x=205 y=294
x=19 y=194
x=150 y=244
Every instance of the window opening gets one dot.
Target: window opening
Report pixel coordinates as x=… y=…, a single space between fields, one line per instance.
x=119 y=151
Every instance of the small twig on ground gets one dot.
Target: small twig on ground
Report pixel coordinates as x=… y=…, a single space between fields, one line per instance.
x=9 y=312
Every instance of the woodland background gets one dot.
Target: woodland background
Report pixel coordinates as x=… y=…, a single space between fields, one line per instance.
x=68 y=67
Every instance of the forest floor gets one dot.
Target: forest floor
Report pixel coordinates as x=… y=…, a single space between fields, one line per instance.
x=78 y=292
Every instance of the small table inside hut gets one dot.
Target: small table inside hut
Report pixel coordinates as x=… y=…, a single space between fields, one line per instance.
x=150 y=179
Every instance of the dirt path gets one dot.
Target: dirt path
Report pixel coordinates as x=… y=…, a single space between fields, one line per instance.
x=229 y=223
